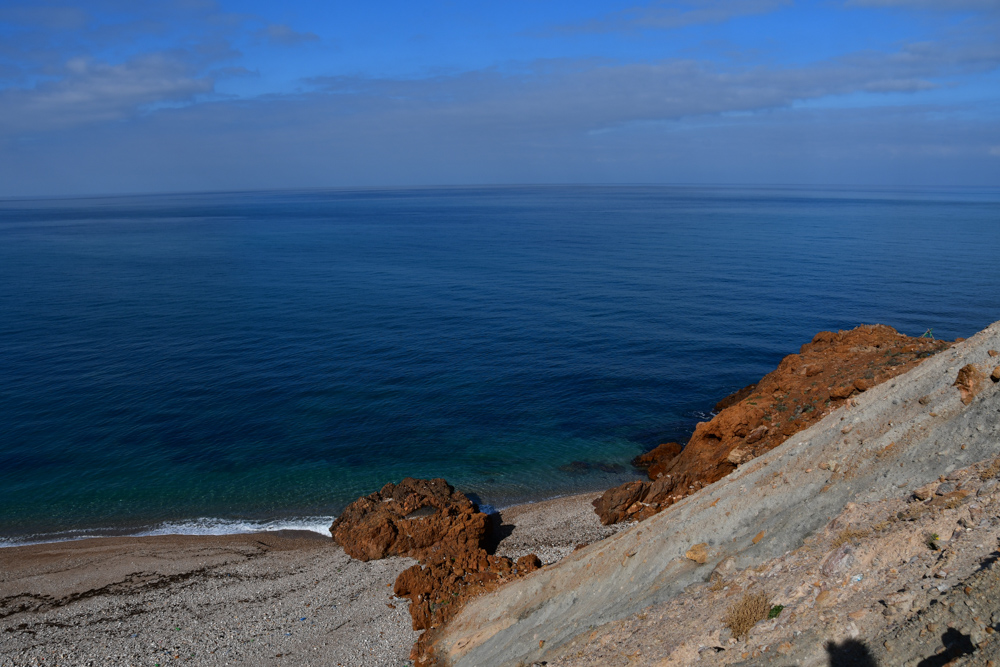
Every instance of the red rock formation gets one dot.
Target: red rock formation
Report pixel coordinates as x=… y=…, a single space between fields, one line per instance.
x=430 y=521
x=656 y=460
x=416 y=518
x=970 y=382
x=802 y=390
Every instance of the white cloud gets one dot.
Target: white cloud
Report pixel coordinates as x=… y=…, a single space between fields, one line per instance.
x=91 y=92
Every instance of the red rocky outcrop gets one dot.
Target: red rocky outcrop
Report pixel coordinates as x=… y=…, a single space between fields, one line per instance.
x=802 y=390
x=430 y=521
x=416 y=518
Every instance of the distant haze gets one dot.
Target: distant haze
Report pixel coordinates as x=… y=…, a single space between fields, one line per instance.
x=178 y=95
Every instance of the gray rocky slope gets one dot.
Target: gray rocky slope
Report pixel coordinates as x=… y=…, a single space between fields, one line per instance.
x=893 y=438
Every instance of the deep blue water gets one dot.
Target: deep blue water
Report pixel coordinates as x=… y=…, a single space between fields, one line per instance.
x=256 y=357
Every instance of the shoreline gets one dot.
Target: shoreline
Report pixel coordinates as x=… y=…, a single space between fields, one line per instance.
x=239 y=598
x=221 y=527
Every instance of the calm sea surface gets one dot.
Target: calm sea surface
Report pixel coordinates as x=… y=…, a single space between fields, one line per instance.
x=222 y=362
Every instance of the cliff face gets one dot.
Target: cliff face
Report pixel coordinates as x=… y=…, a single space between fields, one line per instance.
x=879 y=445
x=805 y=387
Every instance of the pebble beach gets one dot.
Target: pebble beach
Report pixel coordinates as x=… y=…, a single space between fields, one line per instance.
x=278 y=598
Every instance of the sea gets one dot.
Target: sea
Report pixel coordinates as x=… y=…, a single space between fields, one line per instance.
x=236 y=361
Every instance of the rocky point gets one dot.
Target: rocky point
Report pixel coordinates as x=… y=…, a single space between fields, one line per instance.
x=445 y=531
x=804 y=388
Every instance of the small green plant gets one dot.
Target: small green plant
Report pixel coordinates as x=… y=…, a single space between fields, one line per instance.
x=775 y=611
x=780 y=407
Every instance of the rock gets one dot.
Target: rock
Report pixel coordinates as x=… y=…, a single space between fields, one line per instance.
x=969 y=382
x=735 y=397
x=738 y=456
x=657 y=461
x=812 y=370
x=760 y=417
x=995 y=375
x=698 y=553
x=926 y=492
x=838 y=562
x=397 y=521
x=529 y=563
x=726 y=567
x=842 y=391
x=614 y=503
x=430 y=521
x=993 y=353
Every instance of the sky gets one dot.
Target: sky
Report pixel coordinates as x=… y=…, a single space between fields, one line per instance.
x=108 y=96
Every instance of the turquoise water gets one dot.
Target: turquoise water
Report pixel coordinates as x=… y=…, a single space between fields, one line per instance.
x=219 y=362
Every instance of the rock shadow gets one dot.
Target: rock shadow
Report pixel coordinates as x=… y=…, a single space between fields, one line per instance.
x=496 y=532
x=955 y=643
x=850 y=653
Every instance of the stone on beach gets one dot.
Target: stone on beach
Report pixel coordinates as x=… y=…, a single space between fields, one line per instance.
x=389 y=522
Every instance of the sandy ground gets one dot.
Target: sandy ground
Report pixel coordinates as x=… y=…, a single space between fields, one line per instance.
x=291 y=598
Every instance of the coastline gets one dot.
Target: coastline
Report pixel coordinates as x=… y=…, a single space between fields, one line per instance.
x=296 y=597
x=281 y=597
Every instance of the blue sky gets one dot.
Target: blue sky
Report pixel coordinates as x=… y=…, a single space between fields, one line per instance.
x=115 y=97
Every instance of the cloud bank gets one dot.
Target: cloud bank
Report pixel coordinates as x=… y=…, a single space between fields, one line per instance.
x=161 y=109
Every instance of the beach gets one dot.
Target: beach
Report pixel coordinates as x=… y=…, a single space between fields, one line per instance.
x=287 y=597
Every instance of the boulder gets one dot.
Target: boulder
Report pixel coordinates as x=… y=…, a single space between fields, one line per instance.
x=735 y=397
x=698 y=553
x=430 y=521
x=613 y=505
x=970 y=382
x=658 y=461
x=842 y=391
x=838 y=563
x=416 y=518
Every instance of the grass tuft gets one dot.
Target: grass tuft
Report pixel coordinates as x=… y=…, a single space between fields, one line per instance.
x=990 y=471
x=850 y=535
x=752 y=608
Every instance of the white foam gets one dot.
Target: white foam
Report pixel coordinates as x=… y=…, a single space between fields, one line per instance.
x=202 y=526
x=210 y=526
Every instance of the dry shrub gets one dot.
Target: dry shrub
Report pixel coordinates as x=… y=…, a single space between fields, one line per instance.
x=850 y=535
x=718 y=583
x=745 y=614
x=990 y=471
x=883 y=525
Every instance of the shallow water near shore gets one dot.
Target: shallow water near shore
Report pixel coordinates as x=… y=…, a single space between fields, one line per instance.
x=226 y=362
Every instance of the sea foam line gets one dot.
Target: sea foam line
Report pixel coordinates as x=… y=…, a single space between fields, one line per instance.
x=201 y=526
